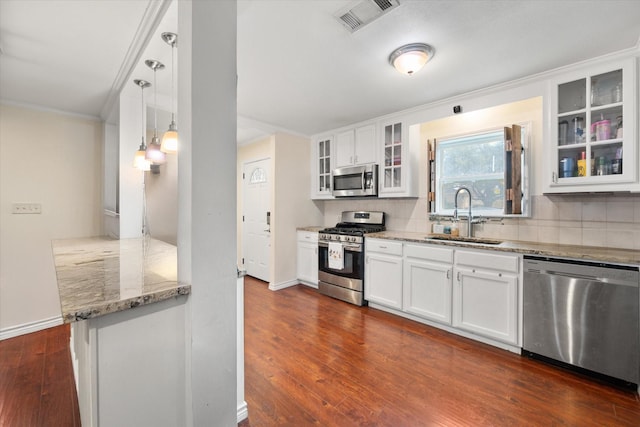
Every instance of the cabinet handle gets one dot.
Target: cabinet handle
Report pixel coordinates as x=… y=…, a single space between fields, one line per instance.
x=382 y=247
x=499 y=274
x=448 y=274
x=458 y=276
x=473 y=270
x=554 y=177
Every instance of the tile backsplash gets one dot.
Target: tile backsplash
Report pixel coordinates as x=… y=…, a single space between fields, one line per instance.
x=590 y=220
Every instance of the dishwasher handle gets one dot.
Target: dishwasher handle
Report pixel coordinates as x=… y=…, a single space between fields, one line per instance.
x=571 y=275
x=616 y=275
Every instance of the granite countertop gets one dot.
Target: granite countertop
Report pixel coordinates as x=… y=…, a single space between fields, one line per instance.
x=99 y=275
x=587 y=253
x=312 y=228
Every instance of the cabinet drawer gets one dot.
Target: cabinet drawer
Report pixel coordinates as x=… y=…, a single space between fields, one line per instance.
x=307 y=236
x=383 y=246
x=488 y=260
x=430 y=253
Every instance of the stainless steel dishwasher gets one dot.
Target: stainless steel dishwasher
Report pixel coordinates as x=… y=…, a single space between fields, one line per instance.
x=583 y=314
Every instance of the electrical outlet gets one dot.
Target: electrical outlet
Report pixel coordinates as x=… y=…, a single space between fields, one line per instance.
x=26 y=208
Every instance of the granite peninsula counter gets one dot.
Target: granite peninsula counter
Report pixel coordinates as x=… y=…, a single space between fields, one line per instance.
x=99 y=275
x=129 y=331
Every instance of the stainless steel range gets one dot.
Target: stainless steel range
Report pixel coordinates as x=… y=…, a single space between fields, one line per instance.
x=341 y=255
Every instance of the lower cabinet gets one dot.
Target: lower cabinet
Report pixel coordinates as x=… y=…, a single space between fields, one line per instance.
x=427 y=279
x=471 y=292
x=307 y=258
x=485 y=295
x=383 y=273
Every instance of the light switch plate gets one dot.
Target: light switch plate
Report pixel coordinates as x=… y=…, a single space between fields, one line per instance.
x=26 y=208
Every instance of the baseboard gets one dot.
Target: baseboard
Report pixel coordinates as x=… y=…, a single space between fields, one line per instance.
x=283 y=285
x=243 y=411
x=309 y=284
x=27 y=328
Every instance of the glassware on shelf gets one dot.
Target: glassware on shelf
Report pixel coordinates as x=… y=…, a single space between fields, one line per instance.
x=616 y=93
x=563 y=128
x=619 y=127
x=578 y=130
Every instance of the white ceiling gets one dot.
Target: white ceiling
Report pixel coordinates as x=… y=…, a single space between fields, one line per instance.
x=299 y=69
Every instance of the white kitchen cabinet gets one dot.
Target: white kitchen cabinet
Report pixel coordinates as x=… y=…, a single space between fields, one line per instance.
x=383 y=273
x=427 y=281
x=592 y=130
x=485 y=294
x=356 y=146
x=399 y=169
x=321 y=165
x=307 y=258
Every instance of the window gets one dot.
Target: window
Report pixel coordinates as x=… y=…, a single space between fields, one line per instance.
x=482 y=163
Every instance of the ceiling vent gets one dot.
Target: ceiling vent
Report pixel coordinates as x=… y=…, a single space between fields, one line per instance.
x=365 y=12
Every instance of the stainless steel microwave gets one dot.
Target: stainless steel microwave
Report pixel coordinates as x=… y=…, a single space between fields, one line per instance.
x=355 y=181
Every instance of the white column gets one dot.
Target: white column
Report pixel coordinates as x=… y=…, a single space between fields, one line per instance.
x=207 y=200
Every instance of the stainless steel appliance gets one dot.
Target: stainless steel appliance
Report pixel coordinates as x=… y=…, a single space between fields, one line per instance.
x=355 y=181
x=346 y=281
x=583 y=314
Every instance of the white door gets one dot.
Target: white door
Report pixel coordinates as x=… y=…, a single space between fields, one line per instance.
x=256 y=232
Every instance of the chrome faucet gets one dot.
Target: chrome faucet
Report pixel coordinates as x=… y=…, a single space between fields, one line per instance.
x=455 y=209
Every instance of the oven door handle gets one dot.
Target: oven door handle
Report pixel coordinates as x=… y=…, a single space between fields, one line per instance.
x=352 y=248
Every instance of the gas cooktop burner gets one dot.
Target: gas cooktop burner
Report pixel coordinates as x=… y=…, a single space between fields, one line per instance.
x=352 y=230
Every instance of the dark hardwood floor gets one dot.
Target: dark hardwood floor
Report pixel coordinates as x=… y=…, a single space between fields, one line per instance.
x=36 y=380
x=312 y=360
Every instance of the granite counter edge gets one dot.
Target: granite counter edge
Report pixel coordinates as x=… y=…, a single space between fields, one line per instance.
x=108 y=307
x=586 y=253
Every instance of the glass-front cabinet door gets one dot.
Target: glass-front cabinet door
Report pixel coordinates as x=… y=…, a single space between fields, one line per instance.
x=322 y=159
x=592 y=135
x=392 y=173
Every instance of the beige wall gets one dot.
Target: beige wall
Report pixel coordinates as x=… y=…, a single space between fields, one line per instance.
x=55 y=160
x=291 y=205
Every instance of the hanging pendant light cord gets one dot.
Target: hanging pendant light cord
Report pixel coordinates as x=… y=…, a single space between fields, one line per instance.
x=155 y=104
x=142 y=114
x=173 y=106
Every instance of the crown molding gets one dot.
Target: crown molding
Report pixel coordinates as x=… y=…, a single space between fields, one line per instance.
x=153 y=15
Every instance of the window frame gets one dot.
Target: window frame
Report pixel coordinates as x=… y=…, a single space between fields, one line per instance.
x=440 y=211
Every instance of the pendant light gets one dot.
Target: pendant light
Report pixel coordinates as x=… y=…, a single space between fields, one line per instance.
x=410 y=58
x=154 y=155
x=139 y=160
x=170 y=138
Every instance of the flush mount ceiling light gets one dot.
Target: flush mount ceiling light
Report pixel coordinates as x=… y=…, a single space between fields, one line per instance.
x=410 y=58
x=154 y=155
x=139 y=160
x=170 y=137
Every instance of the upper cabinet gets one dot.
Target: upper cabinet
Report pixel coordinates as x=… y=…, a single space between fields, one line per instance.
x=592 y=130
x=321 y=164
x=399 y=160
x=356 y=146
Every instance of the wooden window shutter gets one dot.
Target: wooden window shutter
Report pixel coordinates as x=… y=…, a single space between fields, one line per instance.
x=513 y=170
x=431 y=187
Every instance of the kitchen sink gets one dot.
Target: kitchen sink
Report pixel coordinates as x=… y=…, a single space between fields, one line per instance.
x=476 y=240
